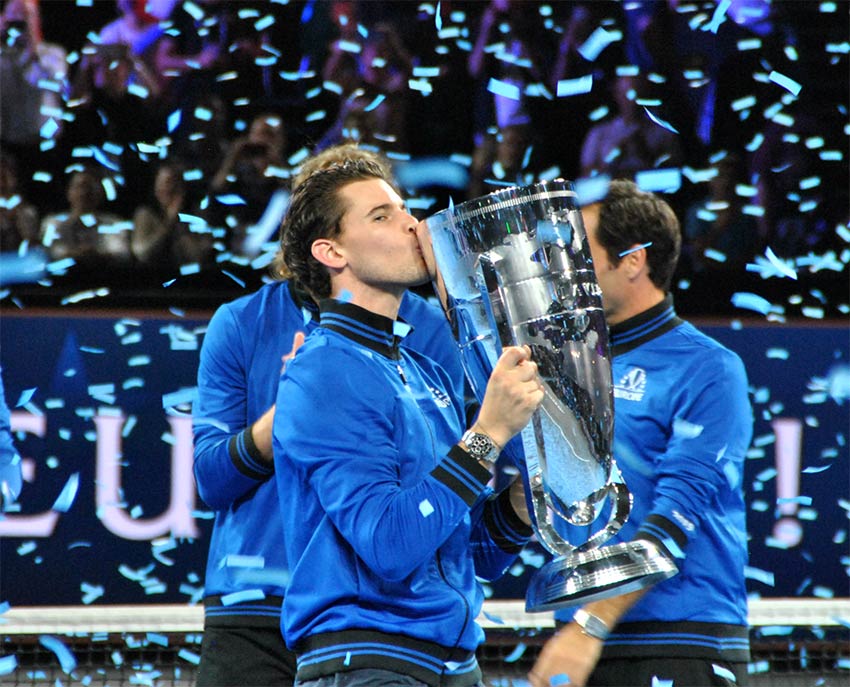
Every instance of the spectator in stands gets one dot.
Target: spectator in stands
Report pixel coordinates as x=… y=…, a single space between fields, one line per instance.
x=182 y=58
x=105 y=106
x=376 y=111
x=520 y=61
x=18 y=218
x=32 y=79
x=161 y=240
x=629 y=141
x=202 y=137
x=501 y=159
x=95 y=239
x=134 y=28
x=253 y=171
x=717 y=223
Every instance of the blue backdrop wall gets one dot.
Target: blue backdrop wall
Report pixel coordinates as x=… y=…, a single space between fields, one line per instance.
x=109 y=512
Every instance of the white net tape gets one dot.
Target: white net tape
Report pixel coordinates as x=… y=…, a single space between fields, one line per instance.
x=804 y=612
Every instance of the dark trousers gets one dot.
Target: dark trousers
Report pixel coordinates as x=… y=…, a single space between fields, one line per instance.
x=679 y=672
x=245 y=656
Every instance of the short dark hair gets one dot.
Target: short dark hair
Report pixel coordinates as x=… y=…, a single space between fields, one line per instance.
x=336 y=155
x=629 y=216
x=315 y=212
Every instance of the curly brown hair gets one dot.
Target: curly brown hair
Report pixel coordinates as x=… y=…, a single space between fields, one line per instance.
x=329 y=157
x=315 y=212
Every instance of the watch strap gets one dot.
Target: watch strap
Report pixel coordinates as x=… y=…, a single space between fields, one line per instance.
x=591 y=625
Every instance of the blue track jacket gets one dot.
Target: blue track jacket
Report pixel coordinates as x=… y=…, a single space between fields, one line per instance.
x=682 y=426
x=387 y=521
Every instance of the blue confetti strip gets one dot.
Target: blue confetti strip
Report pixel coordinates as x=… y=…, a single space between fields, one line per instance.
x=752 y=301
x=787 y=83
x=66 y=497
x=62 y=652
x=582 y=84
x=635 y=249
x=187 y=395
x=597 y=42
x=516 y=654
x=8 y=664
x=189 y=656
x=25 y=397
x=659 y=180
x=504 y=89
x=244 y=595
x=660 y=121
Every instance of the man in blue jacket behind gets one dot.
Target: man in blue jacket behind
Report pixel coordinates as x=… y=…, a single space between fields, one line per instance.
x=683 y=423
x=383 y=494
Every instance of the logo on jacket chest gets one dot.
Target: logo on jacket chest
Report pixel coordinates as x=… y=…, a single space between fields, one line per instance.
x=441 y=398
x=631 y=385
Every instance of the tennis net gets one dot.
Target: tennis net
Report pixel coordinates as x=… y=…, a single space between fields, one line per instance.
x=801 y=642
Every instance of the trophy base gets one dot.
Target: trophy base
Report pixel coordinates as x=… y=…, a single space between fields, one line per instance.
x=596 y=574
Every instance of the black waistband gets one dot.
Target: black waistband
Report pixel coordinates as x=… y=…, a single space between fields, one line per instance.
x=338 y=652
x=228 y=611
x=685 y=639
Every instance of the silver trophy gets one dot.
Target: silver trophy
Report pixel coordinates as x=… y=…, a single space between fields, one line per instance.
x=513 y=268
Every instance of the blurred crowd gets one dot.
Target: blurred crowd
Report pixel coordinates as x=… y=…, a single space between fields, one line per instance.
x=150 y=143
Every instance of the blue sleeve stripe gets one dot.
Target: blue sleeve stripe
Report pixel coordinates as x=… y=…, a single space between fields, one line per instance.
x=246 y=457
x=462 y=474
x=664 y=533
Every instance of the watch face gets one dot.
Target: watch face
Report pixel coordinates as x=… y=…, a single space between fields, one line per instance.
x=481 y=447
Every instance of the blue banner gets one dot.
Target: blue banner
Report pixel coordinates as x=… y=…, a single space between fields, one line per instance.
x=109 y=512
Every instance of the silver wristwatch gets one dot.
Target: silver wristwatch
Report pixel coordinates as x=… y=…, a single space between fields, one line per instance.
x=480 y=446
x=591 y=625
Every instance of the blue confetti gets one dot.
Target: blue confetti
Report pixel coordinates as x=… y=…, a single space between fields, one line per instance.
x=516 y=654
x=718 y=17
x=231 y=199
x=62 y=652
x=425 y=508
x=635 y=249
x=592 y=189
x=375 y=103
x=660 y=121
x=8 y=664
x=174 y=120
x=26 y=396
x=66 y=497
x=244 y=595
x=582 y=84
x=597 y=42
x=787 y=83
x=189 y=656
x=438 y=19
x=759 y=575
x=504 y=89
x=186 y=395
x=752 y=301
x=90 y=592
x=659 y=180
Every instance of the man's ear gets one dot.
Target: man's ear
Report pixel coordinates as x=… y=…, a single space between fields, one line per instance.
x=635 y=261
x=324 y=250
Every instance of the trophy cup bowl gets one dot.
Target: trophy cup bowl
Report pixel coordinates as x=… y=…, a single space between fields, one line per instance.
x=513 y=268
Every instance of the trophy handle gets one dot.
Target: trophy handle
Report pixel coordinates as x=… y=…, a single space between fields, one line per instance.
x=621 y=505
